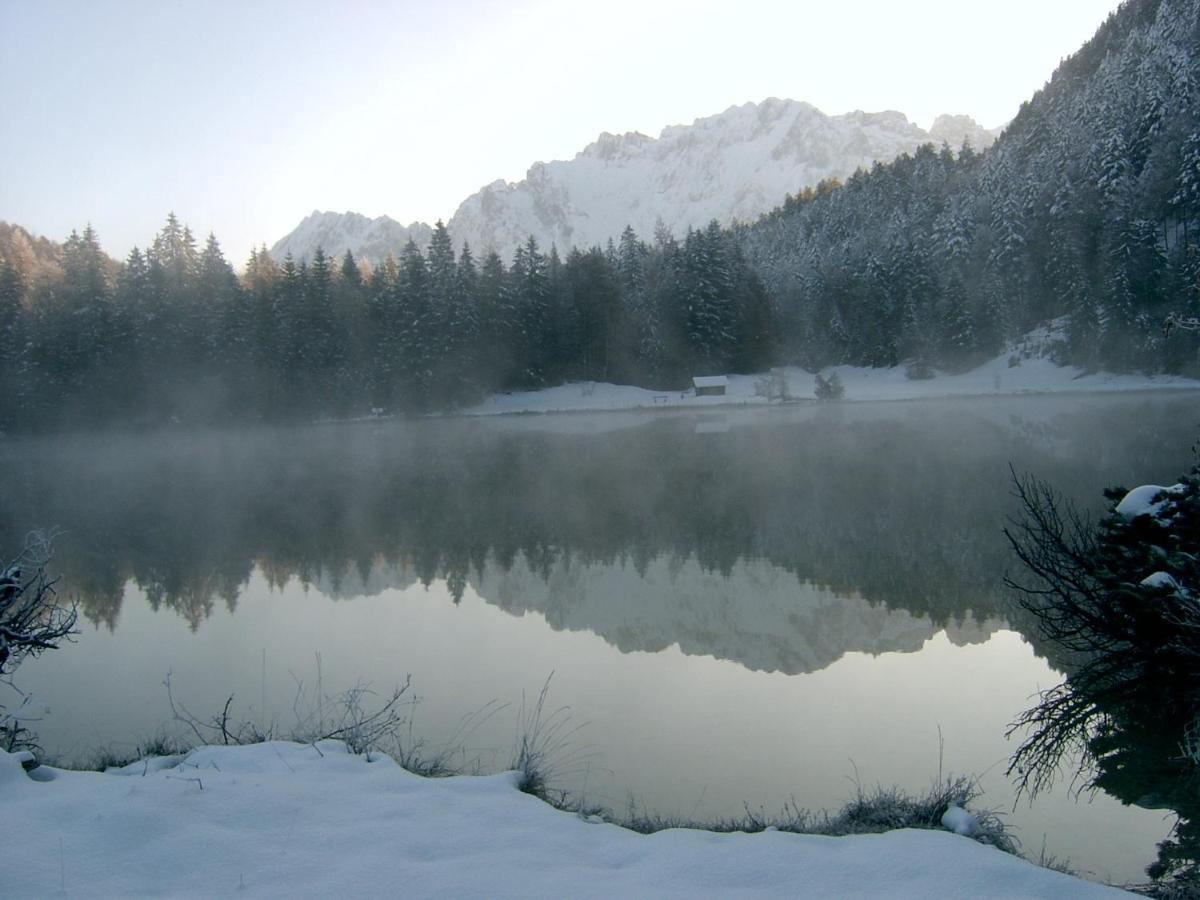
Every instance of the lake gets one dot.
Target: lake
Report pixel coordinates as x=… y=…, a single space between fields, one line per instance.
x=743 y=608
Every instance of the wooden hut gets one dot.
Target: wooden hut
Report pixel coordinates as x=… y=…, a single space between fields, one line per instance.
x=710 y=385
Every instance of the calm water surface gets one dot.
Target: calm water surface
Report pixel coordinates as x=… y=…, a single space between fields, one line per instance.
x=744 y=608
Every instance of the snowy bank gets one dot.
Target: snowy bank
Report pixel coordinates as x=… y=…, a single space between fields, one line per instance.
x=285 y=819
x=996 y=378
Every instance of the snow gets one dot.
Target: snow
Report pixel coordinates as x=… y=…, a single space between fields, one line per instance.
x=146 y=766
x=960 y=821
x=737 y=164
x=994 y=378
x=371 y=240
x=1165 y=580
x=1146 y=500
x=281 y=819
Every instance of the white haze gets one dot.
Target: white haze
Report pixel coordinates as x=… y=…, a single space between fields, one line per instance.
x=244 y=119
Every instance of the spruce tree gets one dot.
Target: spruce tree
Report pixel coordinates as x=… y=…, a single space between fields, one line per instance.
x=12 y=343
x=415 y=338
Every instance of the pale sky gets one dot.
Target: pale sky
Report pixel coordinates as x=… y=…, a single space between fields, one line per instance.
x=243 y=117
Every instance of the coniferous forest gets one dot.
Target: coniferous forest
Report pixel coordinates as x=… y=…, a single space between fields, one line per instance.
x=1086 y=211
x=175 y=333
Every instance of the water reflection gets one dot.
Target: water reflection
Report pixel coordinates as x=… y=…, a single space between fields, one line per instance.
x=897 y=505
x=756 y=614
x=750 y=584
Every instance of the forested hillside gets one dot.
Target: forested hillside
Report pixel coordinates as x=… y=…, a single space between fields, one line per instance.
x=1087 y=207
x=1086 y=210
x=176 y=334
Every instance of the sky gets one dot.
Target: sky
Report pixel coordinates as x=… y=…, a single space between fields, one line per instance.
x=242 y=118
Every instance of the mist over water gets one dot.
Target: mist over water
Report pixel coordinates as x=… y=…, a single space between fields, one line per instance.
x=745 y=607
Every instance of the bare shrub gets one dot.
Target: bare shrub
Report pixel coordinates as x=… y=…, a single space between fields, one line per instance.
x=367 y=721
x=773 y=386
x=830 y=388
x=1116 y=602
x=32 y=620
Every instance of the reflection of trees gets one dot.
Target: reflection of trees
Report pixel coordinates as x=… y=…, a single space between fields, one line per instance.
x=903 y=510
x=1140 y=760
x=1117 y=602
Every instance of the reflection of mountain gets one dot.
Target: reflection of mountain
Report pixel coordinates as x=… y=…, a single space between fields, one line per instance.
x=758 y=615
x=899 y=504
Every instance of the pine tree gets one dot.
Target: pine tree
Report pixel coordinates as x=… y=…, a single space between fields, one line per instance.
x=708 y=299
x=641 y=338
x=222 y=317
x=181 y=340
x=323 y=340
x=351 y=311
x=12 y=289
x=499 y=330
x=12 y=343
x=528 y=302
x=443 y=279
x=416 y=341
x=288 y=361
x=260 y=283
x=595 y=299
x=175 y=249
x=71 y=333
x=561 y=359
x=383 y=318
x=464 y=325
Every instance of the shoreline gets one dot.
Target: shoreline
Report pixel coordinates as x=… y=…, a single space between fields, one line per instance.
x=1033 y=378
x=282 y=818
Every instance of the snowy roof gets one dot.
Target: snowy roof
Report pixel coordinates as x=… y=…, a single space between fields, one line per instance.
x=704 y=381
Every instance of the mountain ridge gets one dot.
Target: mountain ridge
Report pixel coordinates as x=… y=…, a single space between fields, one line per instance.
x=731 y=166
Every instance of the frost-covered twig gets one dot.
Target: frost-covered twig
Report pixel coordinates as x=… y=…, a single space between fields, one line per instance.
x=32 y=619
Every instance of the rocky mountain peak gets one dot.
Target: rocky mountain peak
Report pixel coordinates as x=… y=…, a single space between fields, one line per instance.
x=735 y=165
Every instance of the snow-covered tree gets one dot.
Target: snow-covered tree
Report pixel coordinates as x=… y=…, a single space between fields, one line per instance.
x=1119 y=600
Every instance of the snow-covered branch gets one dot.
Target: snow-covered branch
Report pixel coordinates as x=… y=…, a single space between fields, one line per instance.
x=32 y=618
x=1183 y=323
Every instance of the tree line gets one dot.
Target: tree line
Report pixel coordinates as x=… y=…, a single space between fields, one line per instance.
x=1084 y=214
x=175 y=333
x=189 y=516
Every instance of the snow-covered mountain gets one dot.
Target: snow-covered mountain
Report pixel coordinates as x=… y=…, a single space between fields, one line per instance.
x=734 y=165
x=335 y=233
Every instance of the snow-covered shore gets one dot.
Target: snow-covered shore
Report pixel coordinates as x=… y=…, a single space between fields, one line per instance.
x=995 y=378
x=286 y=819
